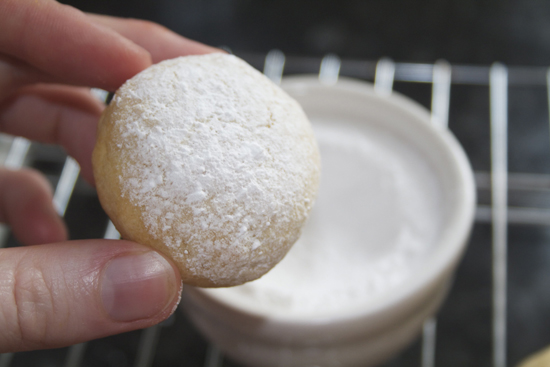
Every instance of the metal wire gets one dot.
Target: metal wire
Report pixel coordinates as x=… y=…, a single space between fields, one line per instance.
x=17 y=153
x=429 y=337
x=384 y=77
x=111 y=232
x=515 y=215
x=499 y=171
x=5 y=359
x=330 y=69
x=274 y=65
x=65 y=185
x=75 y=355
x=147 y=346
x=214 y=357
x=441 y=93
x=413 y=72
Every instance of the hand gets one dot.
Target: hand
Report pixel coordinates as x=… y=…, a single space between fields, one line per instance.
x=63 y=293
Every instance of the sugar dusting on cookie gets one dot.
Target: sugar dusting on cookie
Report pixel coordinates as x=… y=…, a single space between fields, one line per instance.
x=220 y=161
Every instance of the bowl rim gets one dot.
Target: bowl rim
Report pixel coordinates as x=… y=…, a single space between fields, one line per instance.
x=444 y=258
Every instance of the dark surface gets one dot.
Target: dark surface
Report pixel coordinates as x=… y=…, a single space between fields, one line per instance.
x=461 y=31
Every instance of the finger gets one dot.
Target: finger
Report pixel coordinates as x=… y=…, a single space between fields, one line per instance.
x=62 y=41
x=66 y=293
x=14 y=74
x=26 y=205
x=161 y=43
x=56 y=115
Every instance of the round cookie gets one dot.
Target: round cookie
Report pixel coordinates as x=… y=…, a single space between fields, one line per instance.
x=206 y=160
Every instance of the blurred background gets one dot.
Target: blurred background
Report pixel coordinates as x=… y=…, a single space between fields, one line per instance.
x=472 y=33
x=515 y=32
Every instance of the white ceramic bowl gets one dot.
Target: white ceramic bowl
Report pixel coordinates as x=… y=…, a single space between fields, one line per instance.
x=373 y=329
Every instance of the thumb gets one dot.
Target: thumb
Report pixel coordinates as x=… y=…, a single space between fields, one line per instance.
x=61 y=294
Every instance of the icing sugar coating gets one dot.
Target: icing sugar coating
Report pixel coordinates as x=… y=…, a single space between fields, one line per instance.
x=206 y=160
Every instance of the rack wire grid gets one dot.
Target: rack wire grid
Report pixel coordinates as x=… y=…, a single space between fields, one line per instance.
x=498 y=311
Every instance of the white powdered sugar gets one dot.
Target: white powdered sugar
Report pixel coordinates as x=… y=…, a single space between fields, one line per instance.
x=218 y=159
x=375 y=219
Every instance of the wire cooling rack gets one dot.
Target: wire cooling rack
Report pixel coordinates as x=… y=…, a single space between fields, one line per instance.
x=473 y=328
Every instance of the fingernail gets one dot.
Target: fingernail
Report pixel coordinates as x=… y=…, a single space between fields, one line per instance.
x=137 y=287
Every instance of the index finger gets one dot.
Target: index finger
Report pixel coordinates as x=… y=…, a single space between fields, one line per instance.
x=61 y=41
x=161 y=42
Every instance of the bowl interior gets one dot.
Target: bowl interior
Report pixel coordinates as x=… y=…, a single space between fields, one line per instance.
x=394 y=210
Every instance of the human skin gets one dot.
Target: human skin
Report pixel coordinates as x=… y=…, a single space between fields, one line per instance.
x=55 y=292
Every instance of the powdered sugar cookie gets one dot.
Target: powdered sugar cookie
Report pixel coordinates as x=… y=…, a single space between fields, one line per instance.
x=207 y=161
